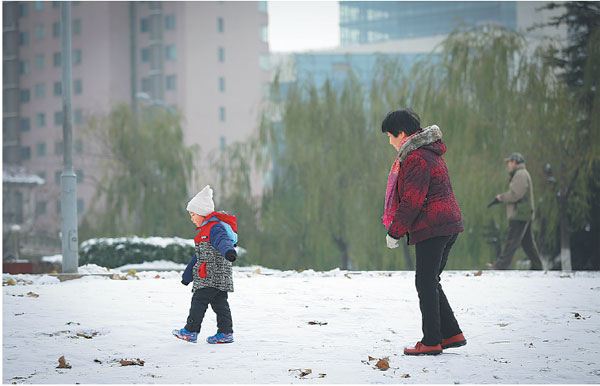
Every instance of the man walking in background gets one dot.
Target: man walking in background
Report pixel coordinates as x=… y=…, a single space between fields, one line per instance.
x=521 y=212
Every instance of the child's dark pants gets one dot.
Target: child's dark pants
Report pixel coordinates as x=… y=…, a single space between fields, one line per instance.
x=218 y=301
x=438 y=318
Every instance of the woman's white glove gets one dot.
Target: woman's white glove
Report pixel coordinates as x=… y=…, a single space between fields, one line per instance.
x=392 y=242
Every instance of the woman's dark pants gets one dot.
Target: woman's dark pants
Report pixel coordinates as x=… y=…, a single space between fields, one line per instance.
x=438 y=318
x=218 y=301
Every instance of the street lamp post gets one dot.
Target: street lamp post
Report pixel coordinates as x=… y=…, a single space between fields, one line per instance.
x=68 y=179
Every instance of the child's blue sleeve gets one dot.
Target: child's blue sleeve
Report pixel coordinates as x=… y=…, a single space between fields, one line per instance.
x=221 y=241
x=188 y=276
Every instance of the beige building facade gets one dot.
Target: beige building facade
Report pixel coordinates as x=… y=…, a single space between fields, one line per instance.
x=204 y=59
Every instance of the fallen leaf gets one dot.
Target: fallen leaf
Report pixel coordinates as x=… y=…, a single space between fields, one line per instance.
x=62 y=363
x=405 y=376
x=302 y=373
x=131 y=272
x=564 y=276
x=502 y=324
x=321 y=375
x=10 y=282
x=53 y=271
x=468 y=275
x=531 y=345
x=157 y=277
x=134 y=362
x=314 y=322
x=383 y=364
x=345 y=308
x=256 y=271
x=371 y=358
x=69 y=323
x=97 y=361
x=33 y=294
x=478 y=273
x=348 y=276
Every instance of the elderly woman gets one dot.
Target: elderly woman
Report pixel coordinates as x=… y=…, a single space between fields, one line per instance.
x=420 y=204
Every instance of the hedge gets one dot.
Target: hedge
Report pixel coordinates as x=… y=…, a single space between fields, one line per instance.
x=117 y=252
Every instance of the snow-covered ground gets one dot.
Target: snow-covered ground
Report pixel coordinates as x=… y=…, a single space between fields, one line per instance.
x=521 y=327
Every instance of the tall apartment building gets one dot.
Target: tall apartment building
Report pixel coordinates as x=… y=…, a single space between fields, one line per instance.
x=406 y=31
x=368 y=22
x=209 y=60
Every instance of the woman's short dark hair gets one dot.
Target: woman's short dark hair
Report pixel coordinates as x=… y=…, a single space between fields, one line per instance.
x=404 y=120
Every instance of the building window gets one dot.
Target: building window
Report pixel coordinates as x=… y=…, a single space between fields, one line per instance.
x=38 y=5
x=220 y=25
x=23 y=9
x=57 y=88
x=146 y=85
x=144 y=25
x=57 y=206
x=42 y=175
x=221 y=84
x=76 y=27
x=40 y=120
x=79 y=174
x=264 y=33
x=57 y=175
x=25 y=124
x=25 y=67
x=77 y=87
x=40 y=60
x=170 y=22
x=80 y=205
x=55 y=4
x=25 y=153
x=40 y=90
x=264 y=62
x=221 y=54
x=171 y=82
x=222 y=143
x=40 y=208
x=58 y=118
x=145 y=55
x=171 y=52
x=40 y=149
x=24 y=38
x=56 y=29
x=76 y=57
x=78 y=147
x=222 y=114
x=56 y=59
x=39 y=31
x=25 y=96
x=58 y=148
x=262 y=6
x=78 y=116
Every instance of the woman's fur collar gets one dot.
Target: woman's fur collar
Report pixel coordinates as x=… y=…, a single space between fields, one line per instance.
x=429 y=135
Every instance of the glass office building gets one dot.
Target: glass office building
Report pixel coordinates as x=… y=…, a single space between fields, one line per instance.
x=365 y=22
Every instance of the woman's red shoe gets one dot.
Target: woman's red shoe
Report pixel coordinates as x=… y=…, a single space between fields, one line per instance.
x=454 y=341
x=421 y=349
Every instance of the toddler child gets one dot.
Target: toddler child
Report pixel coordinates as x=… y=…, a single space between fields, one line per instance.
x=210 y=268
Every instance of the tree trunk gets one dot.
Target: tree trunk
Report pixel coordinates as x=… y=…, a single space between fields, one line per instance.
x=407 y=258
x=344 y=249
x=565 y=249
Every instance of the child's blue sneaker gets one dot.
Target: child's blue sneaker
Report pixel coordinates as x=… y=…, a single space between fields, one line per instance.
x=186 y=335
x=220 y=338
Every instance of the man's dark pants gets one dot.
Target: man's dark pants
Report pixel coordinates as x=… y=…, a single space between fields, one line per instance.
x=519 y=234
x=218 y=301
x=437 y=316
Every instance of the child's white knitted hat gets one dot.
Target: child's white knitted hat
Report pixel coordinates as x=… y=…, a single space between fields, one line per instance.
x=202 y=203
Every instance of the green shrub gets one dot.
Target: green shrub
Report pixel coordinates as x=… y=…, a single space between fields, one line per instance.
x=112 y=253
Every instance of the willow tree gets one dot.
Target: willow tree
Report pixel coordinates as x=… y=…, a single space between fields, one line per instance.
x=146 y=172
x=500 y=97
